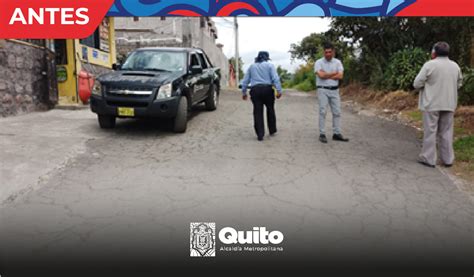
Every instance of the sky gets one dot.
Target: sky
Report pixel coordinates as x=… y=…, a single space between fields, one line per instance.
x=272 y=34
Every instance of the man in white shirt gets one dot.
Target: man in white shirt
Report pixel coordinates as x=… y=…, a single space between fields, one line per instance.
x=329 y=71
x=438 y=81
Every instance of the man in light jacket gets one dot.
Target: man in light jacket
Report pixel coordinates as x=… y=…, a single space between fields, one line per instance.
x=438 y=82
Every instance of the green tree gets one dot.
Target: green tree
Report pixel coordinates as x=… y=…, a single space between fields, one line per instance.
x=387 y=52
x=308 y=49
x=311 y=47
x=285 y=76
x=377 y=39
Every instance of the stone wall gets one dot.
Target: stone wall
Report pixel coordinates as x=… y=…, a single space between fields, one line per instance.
x=27 y=78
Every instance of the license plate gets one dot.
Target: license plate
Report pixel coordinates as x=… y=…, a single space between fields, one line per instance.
x=130 y=112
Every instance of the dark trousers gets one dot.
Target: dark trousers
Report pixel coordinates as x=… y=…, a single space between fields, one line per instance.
x=263 y=96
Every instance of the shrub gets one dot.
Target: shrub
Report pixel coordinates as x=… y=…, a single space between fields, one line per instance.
x=403 y=67
x=304 y=78
x=466 y=94
x=306 y=85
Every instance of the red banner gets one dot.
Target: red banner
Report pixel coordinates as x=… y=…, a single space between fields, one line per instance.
x=439 y=8
x=52 y=18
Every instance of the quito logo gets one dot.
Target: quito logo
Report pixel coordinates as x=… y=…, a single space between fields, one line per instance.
x=203 y=239
x=259 y=235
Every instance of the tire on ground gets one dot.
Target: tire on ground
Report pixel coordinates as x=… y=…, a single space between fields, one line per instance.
x=213 y=99
x=106 y=121
x=180 y=122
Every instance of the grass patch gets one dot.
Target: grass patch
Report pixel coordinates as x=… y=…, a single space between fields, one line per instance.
x=459 y=131
x=415 y=115
x=464 y=148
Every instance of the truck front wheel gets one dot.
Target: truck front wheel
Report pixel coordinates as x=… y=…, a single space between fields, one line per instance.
x=180 y=122
x=212 y=99
x=106 y=121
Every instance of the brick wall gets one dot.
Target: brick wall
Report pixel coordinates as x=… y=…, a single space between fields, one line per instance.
x=27 y=78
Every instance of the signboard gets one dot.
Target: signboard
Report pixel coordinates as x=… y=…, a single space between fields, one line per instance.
x=104 y=35
x=61 y=74
x=85 y=53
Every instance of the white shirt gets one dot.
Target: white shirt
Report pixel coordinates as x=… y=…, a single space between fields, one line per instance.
x=334 y=65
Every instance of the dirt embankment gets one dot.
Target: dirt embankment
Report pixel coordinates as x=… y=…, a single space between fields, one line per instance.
x=402 y=106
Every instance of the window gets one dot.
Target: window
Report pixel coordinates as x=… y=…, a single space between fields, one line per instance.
x=92 y=41
x=202 y=59
x=156 y=61
x=61 y=52
x=194 y=60
x=208 y=61
x=136 y=18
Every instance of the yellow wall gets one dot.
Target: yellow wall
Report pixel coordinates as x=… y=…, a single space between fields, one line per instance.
x=113 y=49
x=68 y=90
x=68 y=93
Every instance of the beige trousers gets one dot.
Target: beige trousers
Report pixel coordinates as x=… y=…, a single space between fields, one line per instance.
x=438 y=125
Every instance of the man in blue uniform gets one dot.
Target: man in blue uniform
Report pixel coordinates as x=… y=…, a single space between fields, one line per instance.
x=262 y=76
x=329 y=71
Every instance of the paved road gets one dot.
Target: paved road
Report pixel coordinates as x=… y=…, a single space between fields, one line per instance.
x=86 y=192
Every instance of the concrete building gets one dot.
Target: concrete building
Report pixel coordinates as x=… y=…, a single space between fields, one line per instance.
x=201 y=32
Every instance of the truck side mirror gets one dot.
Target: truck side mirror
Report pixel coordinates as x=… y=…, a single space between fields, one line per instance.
x=196 y=69
x=116 y=66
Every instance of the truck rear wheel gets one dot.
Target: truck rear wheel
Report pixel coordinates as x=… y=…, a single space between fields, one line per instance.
x=213 y=99
x=106 y=121
x=180 y=122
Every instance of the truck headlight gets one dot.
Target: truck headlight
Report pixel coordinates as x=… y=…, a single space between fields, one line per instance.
x=97 y=89
x=165 y=91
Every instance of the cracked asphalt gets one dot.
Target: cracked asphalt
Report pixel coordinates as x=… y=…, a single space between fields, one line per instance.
x=70 y=189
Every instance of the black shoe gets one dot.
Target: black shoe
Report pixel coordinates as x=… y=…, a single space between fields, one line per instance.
x=426 y=164
x=260 y=138
x=339 y=137
x=323 y=139
x=273 y=133
x=448 y=165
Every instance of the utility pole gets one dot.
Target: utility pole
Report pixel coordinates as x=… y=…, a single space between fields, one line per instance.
x=236 y=59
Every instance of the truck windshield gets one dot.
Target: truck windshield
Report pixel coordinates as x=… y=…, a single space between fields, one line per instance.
x=153 y=60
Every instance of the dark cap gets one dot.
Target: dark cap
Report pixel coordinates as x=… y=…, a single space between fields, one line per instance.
x=263 y=56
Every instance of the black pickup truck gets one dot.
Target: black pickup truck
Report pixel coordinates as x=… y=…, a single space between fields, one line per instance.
x=157 y=82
